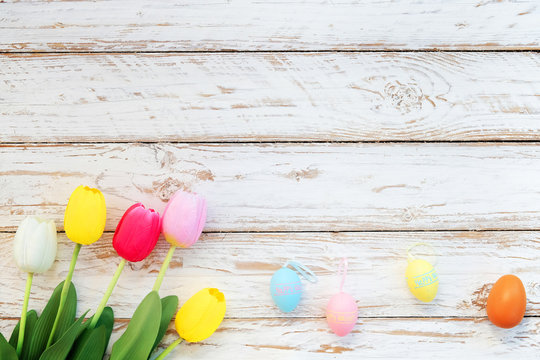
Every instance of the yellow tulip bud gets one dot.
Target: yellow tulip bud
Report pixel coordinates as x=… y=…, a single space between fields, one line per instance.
x=201 y=315
x=84 y=219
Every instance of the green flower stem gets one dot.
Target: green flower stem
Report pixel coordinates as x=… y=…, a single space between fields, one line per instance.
x=24 y=311
x=108 y=293
x=65 y=291
x=169 y=349
x=164 y=267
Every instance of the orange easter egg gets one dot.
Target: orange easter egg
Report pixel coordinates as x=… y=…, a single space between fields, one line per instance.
x=506 y=302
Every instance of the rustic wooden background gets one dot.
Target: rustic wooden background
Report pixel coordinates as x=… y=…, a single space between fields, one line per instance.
x=316 y=129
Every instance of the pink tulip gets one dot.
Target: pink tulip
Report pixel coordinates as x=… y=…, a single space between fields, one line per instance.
x=184 y=218
x=137 y=233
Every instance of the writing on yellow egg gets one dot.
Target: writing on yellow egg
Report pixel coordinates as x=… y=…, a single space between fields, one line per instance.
x=425 y=279
x=287 y=288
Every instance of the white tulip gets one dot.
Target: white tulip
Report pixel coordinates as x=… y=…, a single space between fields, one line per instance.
x=35 y=245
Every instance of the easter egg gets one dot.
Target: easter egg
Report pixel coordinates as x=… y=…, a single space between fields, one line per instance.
x=286 y=289
x=422 y=280
x=341 y=313
x=506 y=302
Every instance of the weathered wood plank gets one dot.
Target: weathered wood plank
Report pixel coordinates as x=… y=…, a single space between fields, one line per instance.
x=268 y=97
x=284 y=25
x=372 y=338
x=241 y=266
x=287 y=187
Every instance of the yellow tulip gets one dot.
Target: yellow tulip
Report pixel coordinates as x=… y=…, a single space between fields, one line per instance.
x=84 y=222
x=198 y=318
x=201 y=315
x=84 y=219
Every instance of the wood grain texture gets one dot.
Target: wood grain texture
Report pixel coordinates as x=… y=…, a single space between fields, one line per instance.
x=241 y=266
x=372 y=338
x=260 y=25
x=287 y=187
x=141 y=98
x=270 y=97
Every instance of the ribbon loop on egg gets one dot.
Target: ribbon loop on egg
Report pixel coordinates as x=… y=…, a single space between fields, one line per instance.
x=343 y=266
x=411 y=257
x=303 y=270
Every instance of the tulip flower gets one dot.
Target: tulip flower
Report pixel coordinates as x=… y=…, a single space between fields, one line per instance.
x=84 y=219
x=137 y=233
x=34 y=250
x=198 y=318
x=184 y=218
x=183 y=221
x=84 y=222
x=135 y=237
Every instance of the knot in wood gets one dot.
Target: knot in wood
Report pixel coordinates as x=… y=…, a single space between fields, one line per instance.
x=404 y=97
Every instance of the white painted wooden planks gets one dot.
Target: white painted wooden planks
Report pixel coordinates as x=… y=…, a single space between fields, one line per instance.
x=372 y=338
x=259 y=25
x=264 y=97
x=268 y=97
x=287 y=187
x=241 y=266
x=386 y=338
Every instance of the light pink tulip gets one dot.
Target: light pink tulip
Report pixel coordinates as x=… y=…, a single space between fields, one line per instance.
x=184 y=218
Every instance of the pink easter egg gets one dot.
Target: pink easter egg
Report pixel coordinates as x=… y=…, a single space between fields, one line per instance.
x=341 y=313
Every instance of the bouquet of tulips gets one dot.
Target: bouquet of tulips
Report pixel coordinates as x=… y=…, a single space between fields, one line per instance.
x=55 y=334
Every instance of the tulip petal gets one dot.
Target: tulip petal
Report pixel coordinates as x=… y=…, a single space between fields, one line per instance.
x=49 y=249
x=184 y=218
x=201 y=315
x=85 y=215
x=192 y=312
x=35 y=245
x=211 y=318
x=137 y=233
x=202 y=217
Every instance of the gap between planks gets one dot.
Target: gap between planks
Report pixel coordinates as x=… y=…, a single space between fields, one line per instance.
x=311 y=51
x=473 y=318
x=263 y=142
x=352 y=231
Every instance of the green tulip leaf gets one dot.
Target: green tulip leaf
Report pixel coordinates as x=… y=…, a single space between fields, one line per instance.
x=60 y=349
x=7 y=352
x=107 y=319
x=169 y=304
x=31 y=319
x=92 y=346
x=137 y=341
x=44 y=324
x=67 y=317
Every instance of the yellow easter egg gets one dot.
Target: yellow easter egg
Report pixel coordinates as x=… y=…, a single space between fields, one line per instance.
x=422 y=280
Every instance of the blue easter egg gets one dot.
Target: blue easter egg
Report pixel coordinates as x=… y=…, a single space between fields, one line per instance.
x=286 y=289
